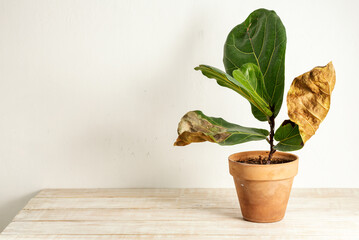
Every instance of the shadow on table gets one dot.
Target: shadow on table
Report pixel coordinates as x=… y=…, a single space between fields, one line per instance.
x=205 y=207
x=10 y=208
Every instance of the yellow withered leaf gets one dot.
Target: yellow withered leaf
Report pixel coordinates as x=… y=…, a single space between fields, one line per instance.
x=308 y=99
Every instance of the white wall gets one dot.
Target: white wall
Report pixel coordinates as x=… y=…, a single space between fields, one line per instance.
x=91 y=93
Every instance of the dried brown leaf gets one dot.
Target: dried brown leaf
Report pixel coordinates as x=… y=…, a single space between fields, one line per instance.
x=192 y=128
x=197 y=127
x=308 y=99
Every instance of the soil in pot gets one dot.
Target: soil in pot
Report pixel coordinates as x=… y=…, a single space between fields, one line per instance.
x=263 y=160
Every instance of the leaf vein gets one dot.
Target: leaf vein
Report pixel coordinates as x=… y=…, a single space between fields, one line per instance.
x=264 y=35
x=254 y=53
x=275 y=40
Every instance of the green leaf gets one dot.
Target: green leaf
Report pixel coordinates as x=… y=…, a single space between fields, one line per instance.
x=260 y=39
x=244 y=82
x=288 y=136
x=258 y=114
x=197 y=127
x=254 y=77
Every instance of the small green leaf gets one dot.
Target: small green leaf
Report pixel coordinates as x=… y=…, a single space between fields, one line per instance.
x=261 y=40
x=288 y=136
x=246 y=82
x=253 y=75
x=197 y=127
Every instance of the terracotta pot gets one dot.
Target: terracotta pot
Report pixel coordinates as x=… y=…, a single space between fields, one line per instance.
x=263 y=190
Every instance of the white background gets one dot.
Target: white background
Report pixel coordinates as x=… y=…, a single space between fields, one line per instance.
x=91 y=93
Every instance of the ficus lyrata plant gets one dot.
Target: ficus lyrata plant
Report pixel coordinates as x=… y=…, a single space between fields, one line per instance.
x=254 y=55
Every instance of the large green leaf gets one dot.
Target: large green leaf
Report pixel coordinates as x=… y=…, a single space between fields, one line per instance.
x=260 y=39
x=197 y=127
x=247 y=81
x=288 y=136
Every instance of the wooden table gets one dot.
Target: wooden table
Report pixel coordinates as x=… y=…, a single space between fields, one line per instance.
x=180 y=214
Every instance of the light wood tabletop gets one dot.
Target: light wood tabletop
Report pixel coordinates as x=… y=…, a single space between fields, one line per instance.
x=196 y=214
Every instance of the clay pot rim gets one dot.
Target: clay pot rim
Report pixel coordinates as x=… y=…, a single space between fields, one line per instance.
x=296 y=158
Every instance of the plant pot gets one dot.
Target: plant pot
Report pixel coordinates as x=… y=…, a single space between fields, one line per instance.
x=263 y=190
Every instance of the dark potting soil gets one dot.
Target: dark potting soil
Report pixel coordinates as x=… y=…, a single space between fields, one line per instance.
x=264 y=160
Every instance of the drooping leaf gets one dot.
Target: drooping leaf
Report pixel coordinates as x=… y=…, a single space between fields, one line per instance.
x=288 y=136
x=197 y=127
x=308 y=99
x=245 y=83
x=260 y=39
x=252 y=74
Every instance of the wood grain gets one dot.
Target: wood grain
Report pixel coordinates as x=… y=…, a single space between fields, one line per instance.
x=180 y=214
x=167 y=237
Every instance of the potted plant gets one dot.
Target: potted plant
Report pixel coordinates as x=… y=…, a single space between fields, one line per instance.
x=254 y=54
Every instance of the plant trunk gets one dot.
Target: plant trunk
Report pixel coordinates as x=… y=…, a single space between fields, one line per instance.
x=271 y=138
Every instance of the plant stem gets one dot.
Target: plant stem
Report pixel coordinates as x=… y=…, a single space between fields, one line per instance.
x=271 y=122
